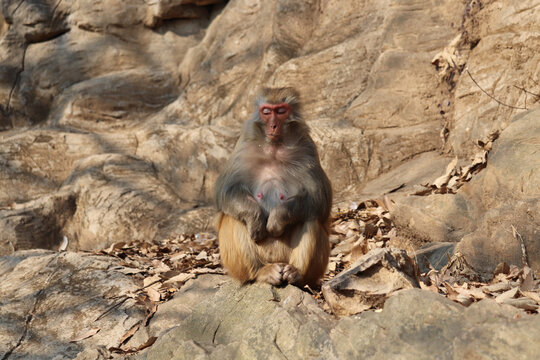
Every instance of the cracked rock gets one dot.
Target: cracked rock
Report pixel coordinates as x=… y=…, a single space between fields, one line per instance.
x=370 y=281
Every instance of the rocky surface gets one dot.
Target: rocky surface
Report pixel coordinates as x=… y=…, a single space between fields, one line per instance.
x=370 y=281
x=78 y=305
x=286 y=323
x=57 y=305
x=484 y=212
x=116 y=118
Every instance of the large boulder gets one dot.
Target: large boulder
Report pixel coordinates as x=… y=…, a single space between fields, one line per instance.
x=261 y=322
x=58 y=305
x=494 y=217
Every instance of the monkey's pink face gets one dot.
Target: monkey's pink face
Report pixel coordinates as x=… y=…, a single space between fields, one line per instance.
x=274 y=115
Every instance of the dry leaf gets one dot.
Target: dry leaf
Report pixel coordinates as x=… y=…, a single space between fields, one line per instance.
x=431 y=287
x=128 y=270
x=178 y=256
x=332 y=266
x=200 y=271
x=86 y=335
x=532 y=295
x=442 y=180
x=151 y=310
x=132 y=350
x=153 y=294
x=64 y=244
x=505 y=296
x=522 y=303
x=450 y=292
x=130 y=333
x=501 y=268
x=359 y=249
x=159 y=267
x=152 y=279
x=182 y=278
x=203 y=255
x=498 y=287
x=341 y=228
x=464 y=299
x=477 y=293
x=527 y=281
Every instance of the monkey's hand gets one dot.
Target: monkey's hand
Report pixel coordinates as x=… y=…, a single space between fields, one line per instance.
x=277 y=220
x=256 y=226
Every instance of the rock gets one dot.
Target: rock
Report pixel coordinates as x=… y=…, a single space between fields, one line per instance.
x=37 y=21
x=166 y=10
x=280 y=323
x=370 y=281
x=476 y=114
x=480 y=216
x=286 y=323
x=508 y=201
x=140 y=206
x=407 y=176
x=173 y=312
x=418 y=324
x=435 y=254
x=434 y=218
x=48 y=299
x=36 y=224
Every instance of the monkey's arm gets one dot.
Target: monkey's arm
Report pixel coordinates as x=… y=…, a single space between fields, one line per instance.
x=234 y=198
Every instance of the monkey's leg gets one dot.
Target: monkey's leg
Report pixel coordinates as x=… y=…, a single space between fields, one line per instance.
x=310 y=252
x=237 y=250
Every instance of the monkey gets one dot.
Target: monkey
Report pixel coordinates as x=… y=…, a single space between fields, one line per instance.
x=274 y=199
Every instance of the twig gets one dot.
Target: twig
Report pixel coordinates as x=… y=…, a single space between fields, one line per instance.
x=113 y=306
x=491 y=96
x=518 y=236
x=526 y=91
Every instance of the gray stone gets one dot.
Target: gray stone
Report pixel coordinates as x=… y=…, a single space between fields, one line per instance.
x=434 y=255
x=48 y=299
x=419 y=324
x=261 y=322
x=251 y=321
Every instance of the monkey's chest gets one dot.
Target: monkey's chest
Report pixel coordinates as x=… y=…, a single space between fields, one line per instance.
x=271 y=193
x=272 y=188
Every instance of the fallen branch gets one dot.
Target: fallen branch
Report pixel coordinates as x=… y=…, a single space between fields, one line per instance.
x=518 y=236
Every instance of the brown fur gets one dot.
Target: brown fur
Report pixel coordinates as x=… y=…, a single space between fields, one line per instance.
x=306 y=248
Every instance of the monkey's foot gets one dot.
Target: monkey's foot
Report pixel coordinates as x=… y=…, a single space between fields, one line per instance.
x=276 y=274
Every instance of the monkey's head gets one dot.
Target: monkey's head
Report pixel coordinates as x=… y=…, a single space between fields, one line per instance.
x=277 y=109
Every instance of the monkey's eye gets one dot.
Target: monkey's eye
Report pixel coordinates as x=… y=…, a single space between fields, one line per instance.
x=281 y=110
x=266 y=111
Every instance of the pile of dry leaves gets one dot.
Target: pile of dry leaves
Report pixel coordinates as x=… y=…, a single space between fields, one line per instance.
x=162 y=268
x=510 y=284
x=455 y=176
x=356 y=231
x=369 y=225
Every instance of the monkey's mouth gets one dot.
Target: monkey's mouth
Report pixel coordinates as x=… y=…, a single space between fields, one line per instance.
x=273 y=137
